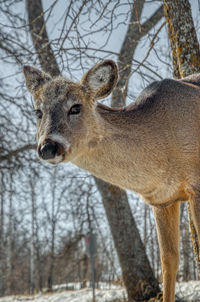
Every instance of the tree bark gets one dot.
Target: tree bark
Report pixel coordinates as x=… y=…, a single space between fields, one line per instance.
x=182 y=36
x=2 y=226
x=138 y=276
x=137 y=273
x=9 y=241
x=40 y=38
x=32 y=243
x=135 y=32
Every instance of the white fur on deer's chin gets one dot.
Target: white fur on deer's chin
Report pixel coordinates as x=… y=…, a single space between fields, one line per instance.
x=56 y=160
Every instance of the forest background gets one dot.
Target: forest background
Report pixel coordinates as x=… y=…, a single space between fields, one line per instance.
x=47 y=212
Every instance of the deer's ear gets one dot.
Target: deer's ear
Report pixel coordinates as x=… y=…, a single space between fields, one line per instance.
x=35 y=78
x=101 y=79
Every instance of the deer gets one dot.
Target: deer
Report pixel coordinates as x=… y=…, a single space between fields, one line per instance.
x=151 y=147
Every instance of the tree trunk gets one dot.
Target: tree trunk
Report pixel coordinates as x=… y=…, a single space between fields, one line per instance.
x=32 y=243
x=135 y=266
x=40 y=38
x=182 y=36
x=2 y=206
x=52 y=259
x=135 y=33
x=137 y=273
x=9 y=241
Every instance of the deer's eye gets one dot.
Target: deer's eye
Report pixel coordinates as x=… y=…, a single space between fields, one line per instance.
x=38 y=113
x=76 y=109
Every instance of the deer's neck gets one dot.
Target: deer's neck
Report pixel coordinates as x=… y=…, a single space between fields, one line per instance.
x=111 y=149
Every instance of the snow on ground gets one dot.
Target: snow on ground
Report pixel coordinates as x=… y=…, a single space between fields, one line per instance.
x=83 y=295
x=78 y=285
x=188 y=291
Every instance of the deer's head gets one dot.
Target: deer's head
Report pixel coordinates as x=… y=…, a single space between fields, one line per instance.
x=66 y=111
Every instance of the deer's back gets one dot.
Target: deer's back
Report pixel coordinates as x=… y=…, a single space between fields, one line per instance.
x=169 y=111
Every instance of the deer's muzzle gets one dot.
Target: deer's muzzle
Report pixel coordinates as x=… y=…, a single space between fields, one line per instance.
x=50 y=149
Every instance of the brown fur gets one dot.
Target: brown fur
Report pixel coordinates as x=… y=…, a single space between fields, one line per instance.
x=151 y=147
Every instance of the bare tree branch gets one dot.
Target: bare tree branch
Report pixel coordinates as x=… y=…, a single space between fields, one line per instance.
x=40 y=37
x=17 y=151
x=133 y=35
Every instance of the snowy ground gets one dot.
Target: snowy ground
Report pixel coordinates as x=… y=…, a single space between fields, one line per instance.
x=83 y=295
x=188 y=291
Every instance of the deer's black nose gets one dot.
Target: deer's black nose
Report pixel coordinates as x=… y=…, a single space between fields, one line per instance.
x=48 y=150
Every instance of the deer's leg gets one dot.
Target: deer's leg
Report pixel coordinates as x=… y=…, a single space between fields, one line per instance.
x=194 y=199
x=167 y=223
